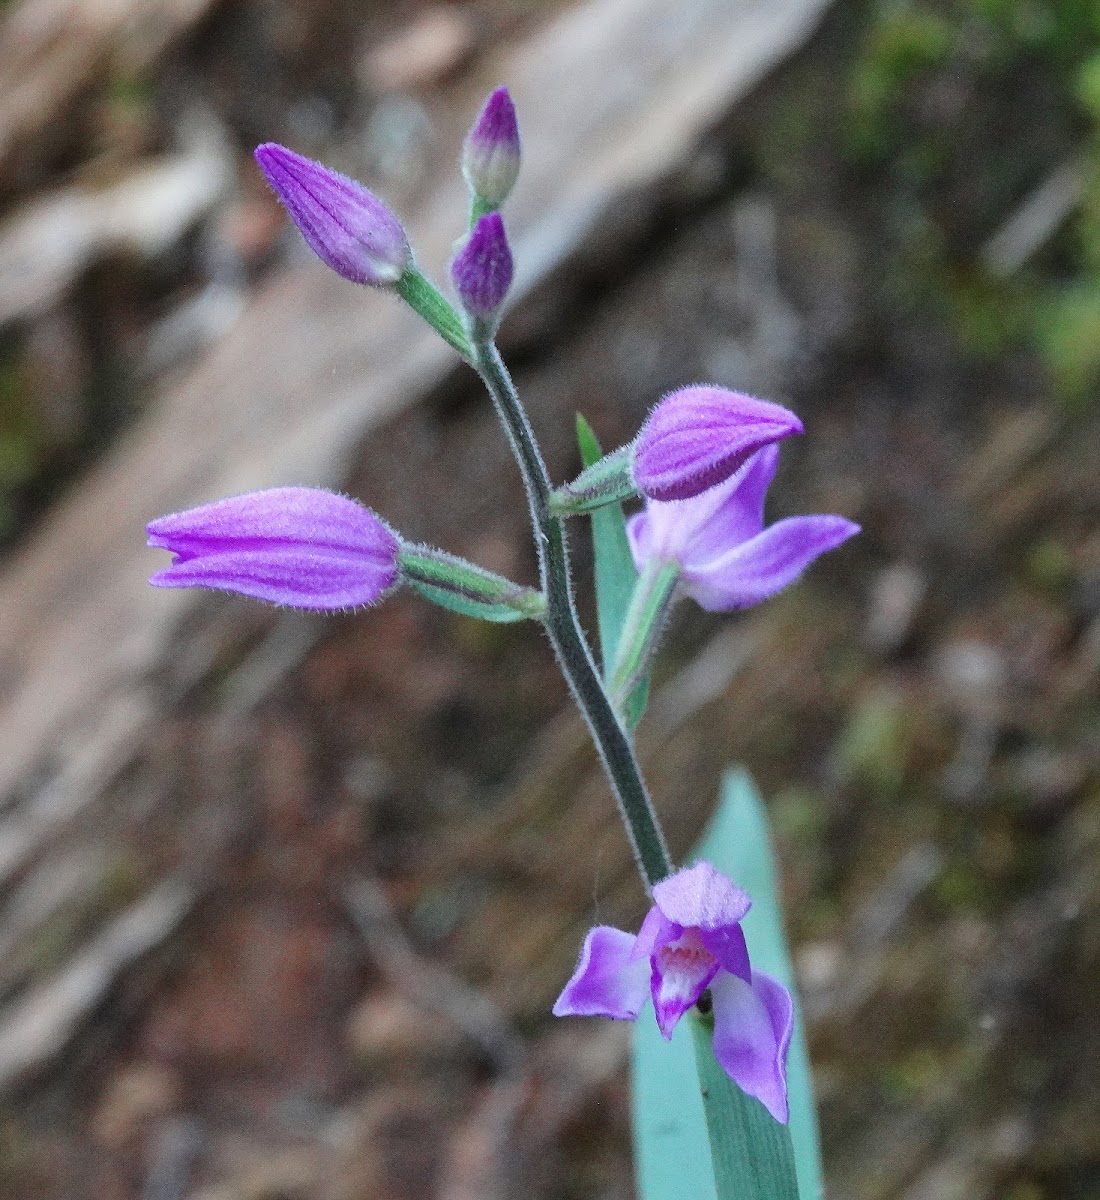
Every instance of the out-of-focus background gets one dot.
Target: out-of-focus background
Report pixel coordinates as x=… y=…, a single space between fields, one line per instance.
x=284 y=900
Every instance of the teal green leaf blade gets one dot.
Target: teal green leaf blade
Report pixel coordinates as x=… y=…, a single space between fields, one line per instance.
x=751 y=1153
x=615 y=574
x=672 y=1148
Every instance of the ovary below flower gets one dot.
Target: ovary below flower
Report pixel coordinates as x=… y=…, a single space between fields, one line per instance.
x=724 y=556
x=691 y=940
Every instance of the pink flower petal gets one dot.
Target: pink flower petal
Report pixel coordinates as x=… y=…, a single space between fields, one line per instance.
x=752 y=1034
x=698 y=436
x=754 y=570
x=608 y=981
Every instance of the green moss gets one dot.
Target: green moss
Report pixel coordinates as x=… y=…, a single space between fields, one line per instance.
x=942 y=204
x=902 y=43
x=1067 y=337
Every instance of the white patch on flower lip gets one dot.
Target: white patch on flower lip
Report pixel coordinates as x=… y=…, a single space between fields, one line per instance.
x=682 y=969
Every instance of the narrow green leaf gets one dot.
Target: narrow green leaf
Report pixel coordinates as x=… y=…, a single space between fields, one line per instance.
x=672 y=1151
x=615 y=574
x=750 y=1152
x=738 y=842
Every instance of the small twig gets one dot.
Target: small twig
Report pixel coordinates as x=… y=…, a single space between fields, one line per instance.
x=1035 y=221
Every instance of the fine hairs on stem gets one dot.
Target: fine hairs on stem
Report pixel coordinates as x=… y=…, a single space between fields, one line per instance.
x=612 y=741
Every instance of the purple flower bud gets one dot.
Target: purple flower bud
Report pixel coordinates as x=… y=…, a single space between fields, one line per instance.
x=490 y=157
x=482 y=269
x=346 y=226
x=298 y=546
x=699 y=436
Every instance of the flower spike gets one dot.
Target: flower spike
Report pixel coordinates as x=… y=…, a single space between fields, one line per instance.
x=302 y=547
x=346 y=226
x=482 y=269
x=698 y=436
x=491 y=154
x=692 y=940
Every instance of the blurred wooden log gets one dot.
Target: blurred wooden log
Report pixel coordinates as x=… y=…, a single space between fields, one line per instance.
x=610 y=107
x=45 y=245
x=53 y=49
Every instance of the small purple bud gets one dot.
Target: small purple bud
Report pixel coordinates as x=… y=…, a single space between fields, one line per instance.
x=346 y=226
x=491 y=154
x=298 y=546
x=482 y=269
x=699 y=436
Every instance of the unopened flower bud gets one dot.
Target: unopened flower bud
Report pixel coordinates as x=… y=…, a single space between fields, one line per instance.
x=292 y=545
x=491 y=154
x=699 y=436
x=482 y=269
x=346 y=226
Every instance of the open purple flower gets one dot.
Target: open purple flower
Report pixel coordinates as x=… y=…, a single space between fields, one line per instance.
x=698 y=436
x=725 y=557
x=691 y=940
x=491 y=154
x=346 y=226
x=482 y=269
x=298 y=546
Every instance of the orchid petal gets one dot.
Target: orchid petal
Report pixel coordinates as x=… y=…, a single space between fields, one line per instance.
x=701 y=896
x=655 y=931
x=608 y=982
x=765 y=564
x=708 y=524
x=699 y=436
x=730 y=949
x=752 y=1033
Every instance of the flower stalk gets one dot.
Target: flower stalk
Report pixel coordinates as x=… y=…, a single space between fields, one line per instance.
x=612 y=741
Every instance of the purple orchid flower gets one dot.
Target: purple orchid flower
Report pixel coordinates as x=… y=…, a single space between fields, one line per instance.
x=491 y=154
x=692 y=940
x=346 y=226
x=298 y=546
x=698 y=436
x=482 y=269
x=717 y=540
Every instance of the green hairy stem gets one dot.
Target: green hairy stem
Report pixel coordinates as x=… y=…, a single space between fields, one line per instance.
x=563 y=626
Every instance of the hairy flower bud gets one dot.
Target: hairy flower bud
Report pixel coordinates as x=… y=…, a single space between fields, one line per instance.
x=699 y=436
x=482 y=269
x=346 y=226
x=298 y=546
x=491 y=154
